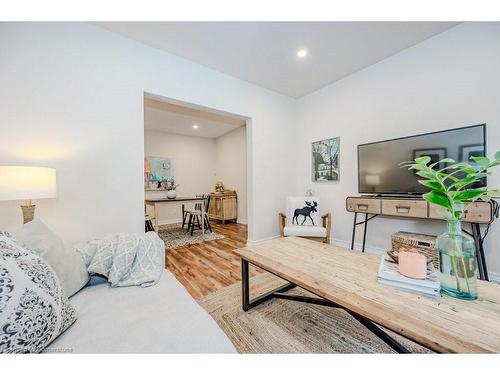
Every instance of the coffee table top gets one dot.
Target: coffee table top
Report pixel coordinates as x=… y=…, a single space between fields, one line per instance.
x=349 y=278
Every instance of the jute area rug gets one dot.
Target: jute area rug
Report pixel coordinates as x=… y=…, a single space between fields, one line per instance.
x=174 y=236
x=281 y=326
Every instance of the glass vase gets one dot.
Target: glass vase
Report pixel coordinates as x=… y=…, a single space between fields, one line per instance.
x=457 y=262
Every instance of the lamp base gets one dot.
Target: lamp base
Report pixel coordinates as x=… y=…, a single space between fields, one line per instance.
x=28 y=212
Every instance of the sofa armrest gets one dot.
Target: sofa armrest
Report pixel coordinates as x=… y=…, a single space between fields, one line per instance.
x=281 y=223
x=327 y=223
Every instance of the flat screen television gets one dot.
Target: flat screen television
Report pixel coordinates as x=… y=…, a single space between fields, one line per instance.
x=378 y=162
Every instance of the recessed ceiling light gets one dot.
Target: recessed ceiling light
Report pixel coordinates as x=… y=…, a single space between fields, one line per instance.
x=195 y=126
x=302 y=53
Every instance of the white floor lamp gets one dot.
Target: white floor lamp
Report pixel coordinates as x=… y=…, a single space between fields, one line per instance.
x=27 y=183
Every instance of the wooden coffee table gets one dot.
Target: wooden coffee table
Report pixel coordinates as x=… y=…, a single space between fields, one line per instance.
x=347 y=279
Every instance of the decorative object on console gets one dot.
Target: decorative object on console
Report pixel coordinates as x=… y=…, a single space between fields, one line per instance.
x=34 y=309
x=451 y=191
x=157 y=170
x=423 y=243
x=219 y=187
x=303 y=219
x=325 y=160
x=27 y=183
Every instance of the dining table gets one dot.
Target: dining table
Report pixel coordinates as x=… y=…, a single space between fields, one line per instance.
x=154 y=202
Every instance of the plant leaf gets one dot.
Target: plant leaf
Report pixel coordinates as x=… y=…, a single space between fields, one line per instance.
x=483 y=161
x=497 y=155
x=426 y=174
x=437 y=198
x=432 y=184
x=423 y=160
x=470 y=194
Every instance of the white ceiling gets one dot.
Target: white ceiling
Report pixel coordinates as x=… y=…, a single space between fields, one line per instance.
x=264 y=53
x=176 y=119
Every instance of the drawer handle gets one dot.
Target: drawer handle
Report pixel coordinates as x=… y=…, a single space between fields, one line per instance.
x=403 y=209
x=362 y=207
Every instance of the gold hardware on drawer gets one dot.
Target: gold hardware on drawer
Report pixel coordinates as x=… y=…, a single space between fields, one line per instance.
x=403 y=209
x=362 y=207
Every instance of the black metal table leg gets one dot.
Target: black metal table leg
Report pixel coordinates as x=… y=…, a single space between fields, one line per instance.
x=354 y=230
x=279 y=293
x=364 y=233
x=481 y=260
x=381 y=334
x=245 y=284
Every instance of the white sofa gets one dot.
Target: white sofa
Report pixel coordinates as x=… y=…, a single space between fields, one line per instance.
x=162 y=318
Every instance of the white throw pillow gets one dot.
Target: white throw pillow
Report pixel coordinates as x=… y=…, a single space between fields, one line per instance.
x=33 y=307
x=67 y=264
x=303 y=211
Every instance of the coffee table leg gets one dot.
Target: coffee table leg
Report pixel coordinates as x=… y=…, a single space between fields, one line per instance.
x=245 y=289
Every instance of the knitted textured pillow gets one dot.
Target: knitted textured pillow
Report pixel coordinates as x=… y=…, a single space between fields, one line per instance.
x=34 y=309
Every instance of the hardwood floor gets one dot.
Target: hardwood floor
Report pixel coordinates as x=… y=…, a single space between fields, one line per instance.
x=207 y=267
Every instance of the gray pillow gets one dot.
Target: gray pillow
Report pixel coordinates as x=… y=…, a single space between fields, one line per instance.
x=33 y=307
x=67 y=264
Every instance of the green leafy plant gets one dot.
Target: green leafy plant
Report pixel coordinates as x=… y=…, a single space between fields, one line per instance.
x=450 y=186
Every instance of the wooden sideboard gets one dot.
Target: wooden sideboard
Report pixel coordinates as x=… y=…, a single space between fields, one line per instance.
x=223 y=206
x=477 y=213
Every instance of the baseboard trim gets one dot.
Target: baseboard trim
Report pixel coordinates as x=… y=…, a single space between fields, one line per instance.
x=242 y=221
x=358 y=246
x=256 y=242
x=495 y=277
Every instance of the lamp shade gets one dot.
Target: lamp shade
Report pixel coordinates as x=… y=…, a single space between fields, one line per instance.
x=17 y=183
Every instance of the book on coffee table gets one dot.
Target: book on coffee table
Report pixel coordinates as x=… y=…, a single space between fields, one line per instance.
x=389 y=275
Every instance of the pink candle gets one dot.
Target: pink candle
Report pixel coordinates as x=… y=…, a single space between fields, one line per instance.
x=412 y=264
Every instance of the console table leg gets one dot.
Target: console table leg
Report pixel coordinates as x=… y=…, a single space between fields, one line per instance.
x=480 y=258
x=354 y=230
x=364 y=233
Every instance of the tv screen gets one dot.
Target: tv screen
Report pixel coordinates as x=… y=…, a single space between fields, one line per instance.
x=378 y=162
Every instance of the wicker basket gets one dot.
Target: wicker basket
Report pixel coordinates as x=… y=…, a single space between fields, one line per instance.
x=423 y=243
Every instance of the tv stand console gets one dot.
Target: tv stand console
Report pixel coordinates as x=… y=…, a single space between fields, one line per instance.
x=372 y=206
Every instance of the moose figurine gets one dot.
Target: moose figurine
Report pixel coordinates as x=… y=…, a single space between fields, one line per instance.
x=306 y=212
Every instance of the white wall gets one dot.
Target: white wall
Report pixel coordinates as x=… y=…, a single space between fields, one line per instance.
x=194 y=167
x=231 y=166
x=447 y=81
x=71 y=97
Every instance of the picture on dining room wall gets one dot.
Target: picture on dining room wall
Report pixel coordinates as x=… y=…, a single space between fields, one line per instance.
x=325 y=160
x=157 y=170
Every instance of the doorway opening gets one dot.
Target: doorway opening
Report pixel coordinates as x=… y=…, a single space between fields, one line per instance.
x=195 y=186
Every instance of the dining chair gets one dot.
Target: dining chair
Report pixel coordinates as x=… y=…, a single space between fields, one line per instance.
x=196 y=215
x=185 y=213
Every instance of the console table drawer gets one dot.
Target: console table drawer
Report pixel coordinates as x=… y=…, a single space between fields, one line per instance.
x=477 y=212
x=370 y=206
x=404 y=207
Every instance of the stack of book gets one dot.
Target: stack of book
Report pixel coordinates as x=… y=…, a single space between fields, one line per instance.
x=389 y=275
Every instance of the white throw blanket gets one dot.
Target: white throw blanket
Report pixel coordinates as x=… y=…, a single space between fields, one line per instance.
x=125 y=259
